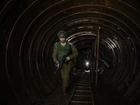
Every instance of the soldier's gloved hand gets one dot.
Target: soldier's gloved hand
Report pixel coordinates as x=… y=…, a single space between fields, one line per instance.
x=67 y=58
x=57 y=64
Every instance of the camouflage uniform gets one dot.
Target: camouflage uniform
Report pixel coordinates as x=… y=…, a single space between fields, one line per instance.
x=58 y=52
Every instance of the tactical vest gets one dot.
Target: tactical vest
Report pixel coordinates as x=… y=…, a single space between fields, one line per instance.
x=63 y=50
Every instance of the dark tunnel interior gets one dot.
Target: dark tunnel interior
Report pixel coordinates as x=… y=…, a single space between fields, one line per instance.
x=28 y=31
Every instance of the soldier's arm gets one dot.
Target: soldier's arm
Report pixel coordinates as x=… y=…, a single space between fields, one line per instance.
x=74 y=52
x=55 y=53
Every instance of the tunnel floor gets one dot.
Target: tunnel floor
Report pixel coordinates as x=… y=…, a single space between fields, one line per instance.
x=105 y=94
x=81 y=93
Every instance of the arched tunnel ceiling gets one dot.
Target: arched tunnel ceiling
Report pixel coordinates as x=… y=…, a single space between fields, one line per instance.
x=28 y=30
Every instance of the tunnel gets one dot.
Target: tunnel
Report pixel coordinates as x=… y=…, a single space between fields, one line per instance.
x=28 y=31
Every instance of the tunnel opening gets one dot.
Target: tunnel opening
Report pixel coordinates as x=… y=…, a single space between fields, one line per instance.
x=28 y=30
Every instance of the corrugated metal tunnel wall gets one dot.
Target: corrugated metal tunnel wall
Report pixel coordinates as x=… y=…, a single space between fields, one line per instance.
x=28 y=30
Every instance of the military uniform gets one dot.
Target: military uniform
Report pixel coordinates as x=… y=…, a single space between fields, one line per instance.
x=67 y=50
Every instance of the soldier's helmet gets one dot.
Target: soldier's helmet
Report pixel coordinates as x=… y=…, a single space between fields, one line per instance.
x=62 y=34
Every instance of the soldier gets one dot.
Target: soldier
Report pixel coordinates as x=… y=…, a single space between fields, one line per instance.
x=61 y=49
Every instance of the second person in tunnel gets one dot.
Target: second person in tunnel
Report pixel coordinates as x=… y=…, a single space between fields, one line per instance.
x=64 y=56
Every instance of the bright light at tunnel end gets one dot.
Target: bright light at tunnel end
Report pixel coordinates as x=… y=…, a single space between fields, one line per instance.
x=87 y=63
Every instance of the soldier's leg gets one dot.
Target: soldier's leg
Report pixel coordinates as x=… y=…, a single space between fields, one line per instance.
x=65 y=74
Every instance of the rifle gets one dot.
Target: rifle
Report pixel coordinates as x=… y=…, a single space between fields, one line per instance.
x=61 y=63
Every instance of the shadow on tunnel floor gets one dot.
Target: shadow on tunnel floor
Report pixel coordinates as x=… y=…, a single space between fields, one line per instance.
x=56 y=98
